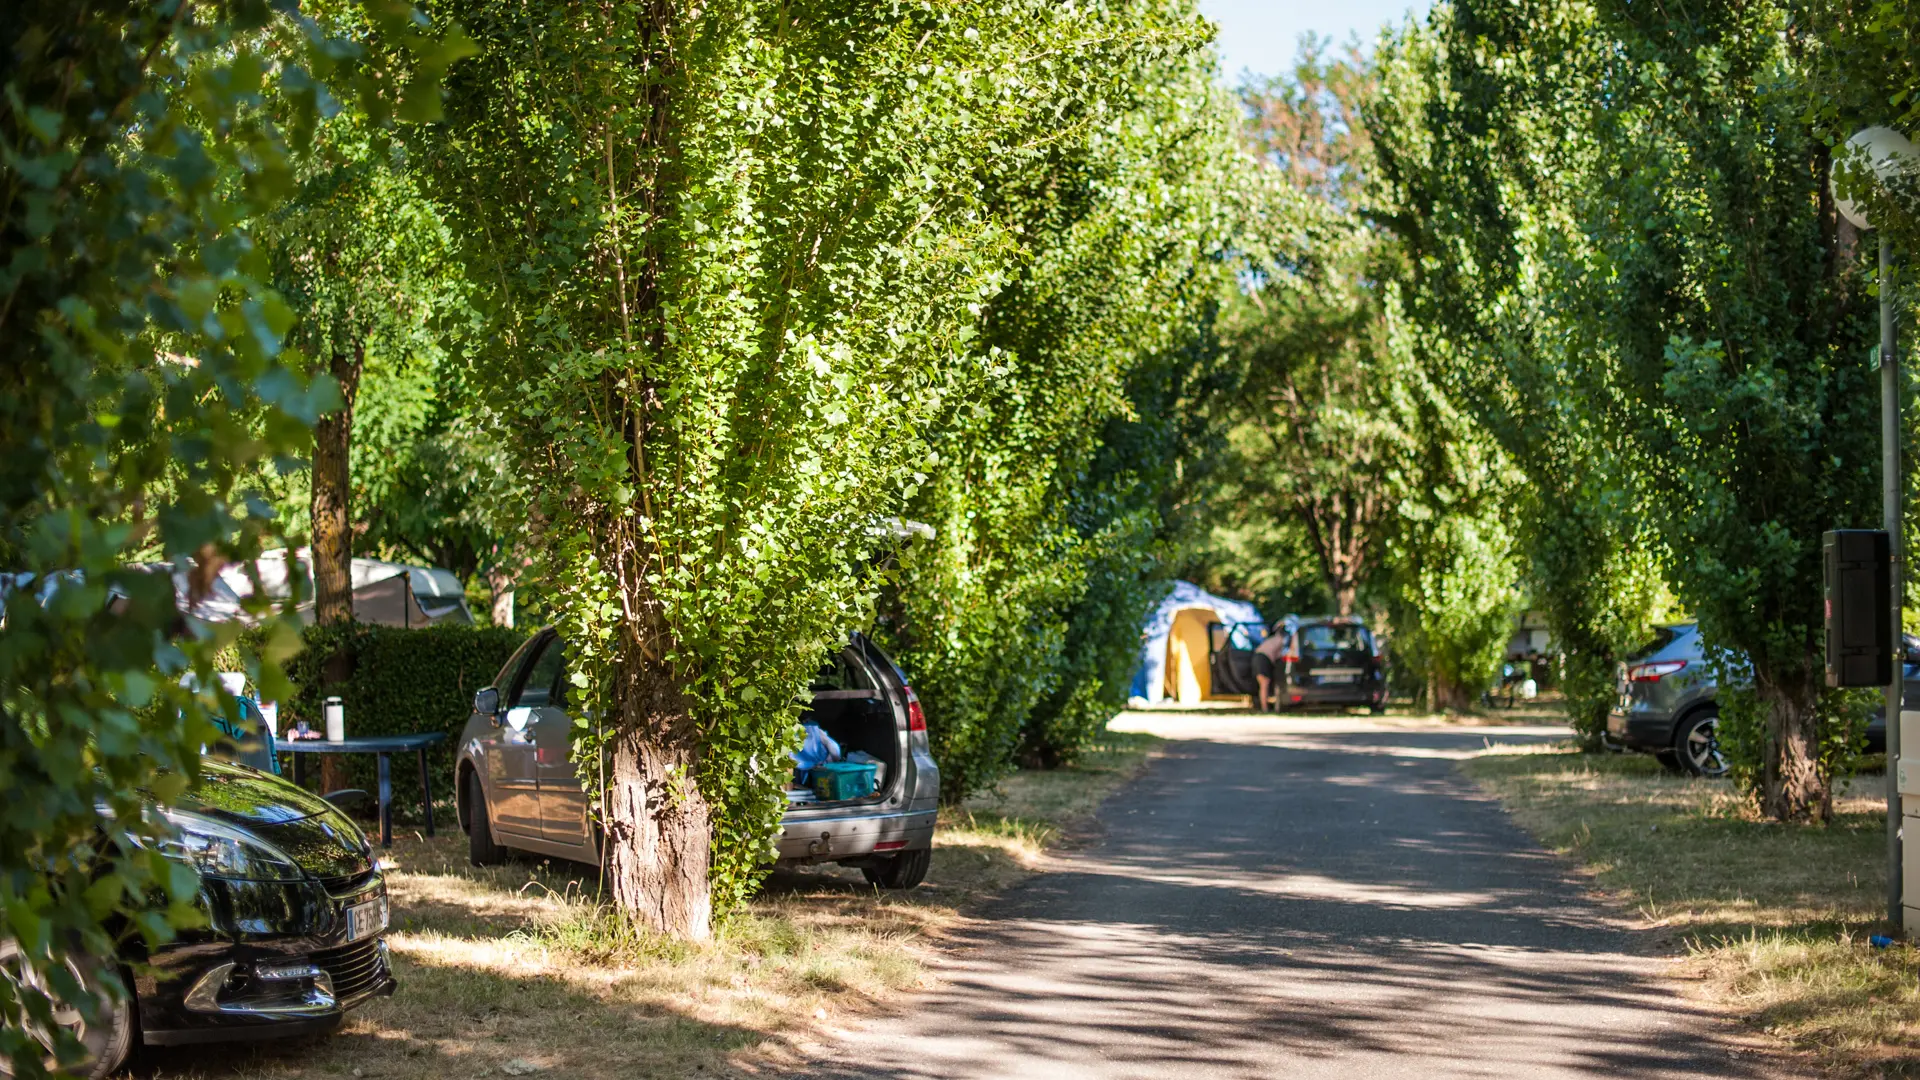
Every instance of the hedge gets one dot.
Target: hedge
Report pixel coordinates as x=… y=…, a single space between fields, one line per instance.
x=402 y=681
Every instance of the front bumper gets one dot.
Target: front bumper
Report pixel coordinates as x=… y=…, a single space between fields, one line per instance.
x=274 y=961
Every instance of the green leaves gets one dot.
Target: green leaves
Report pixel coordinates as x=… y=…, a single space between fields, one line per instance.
x=144 y=390
x=729 y=254
x=1625 y=246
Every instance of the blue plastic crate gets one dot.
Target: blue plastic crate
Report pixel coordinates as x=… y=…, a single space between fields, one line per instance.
x=836 y=781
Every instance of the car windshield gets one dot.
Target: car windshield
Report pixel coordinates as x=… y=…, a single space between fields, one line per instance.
x=1327 y=637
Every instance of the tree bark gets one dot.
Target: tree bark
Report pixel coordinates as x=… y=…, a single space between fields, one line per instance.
x=1793 y=787
x=332 y=493
x=500 y=582
x=657 y=828
x=1343 y=597
x=333 y=533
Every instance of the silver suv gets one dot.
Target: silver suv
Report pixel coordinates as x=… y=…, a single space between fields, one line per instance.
x=513 y=769
x=1667 y=703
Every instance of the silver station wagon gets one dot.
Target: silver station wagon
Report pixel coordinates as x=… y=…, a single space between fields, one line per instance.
x=514 y=777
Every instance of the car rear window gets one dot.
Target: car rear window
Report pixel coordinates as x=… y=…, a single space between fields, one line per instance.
x=1663 y=636
x=843 y=672
x=1324 y=637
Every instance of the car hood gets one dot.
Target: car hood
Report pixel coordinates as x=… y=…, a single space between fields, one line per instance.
x=310 y=830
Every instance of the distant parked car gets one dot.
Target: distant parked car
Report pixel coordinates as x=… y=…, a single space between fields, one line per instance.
x=513 y=769
x=297 y=913
x=1668 y=703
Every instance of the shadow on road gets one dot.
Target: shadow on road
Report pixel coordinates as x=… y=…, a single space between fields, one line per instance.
x=1302 y=902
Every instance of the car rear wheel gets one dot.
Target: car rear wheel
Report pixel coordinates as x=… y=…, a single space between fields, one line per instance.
x=107 y=1038
x=1696 y=744
x=481 y=849
x=903 y=871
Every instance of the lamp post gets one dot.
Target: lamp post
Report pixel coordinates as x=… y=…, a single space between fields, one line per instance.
x=1887 y=151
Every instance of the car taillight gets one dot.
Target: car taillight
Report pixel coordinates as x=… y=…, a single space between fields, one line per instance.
x=1290 y=658
x=1654 y=672
x=916 y=716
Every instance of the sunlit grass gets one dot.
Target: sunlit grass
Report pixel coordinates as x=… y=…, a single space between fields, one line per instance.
x=1773 y=919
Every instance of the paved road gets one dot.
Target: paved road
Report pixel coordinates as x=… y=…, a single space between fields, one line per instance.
x=1301 y=898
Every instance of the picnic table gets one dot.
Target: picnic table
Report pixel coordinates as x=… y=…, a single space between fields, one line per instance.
x=382 y=747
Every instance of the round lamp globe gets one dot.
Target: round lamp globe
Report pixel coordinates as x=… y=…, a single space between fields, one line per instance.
x=1888 y=153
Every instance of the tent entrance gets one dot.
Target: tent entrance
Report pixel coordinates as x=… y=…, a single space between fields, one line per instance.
x=1189 y=677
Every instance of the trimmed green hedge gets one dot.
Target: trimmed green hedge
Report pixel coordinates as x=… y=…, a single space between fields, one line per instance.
x=402 y=681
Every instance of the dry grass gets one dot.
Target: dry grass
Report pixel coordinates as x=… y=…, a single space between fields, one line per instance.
x=519 y=970
x=1773 y=919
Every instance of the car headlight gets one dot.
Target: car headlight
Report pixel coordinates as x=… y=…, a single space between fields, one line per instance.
x=219 y=850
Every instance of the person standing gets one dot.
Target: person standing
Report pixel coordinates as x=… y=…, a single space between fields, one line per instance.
x=1268 y=669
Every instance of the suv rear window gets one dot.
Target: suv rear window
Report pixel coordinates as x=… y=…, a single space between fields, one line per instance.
x=1663 y=636
x=1327 y=637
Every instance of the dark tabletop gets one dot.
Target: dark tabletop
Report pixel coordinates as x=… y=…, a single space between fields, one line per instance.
x=371 y=744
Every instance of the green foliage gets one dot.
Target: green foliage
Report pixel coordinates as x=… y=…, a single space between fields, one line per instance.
x=1626 y=211
x=1119 y=228
x=730 y=254
x=1133 y=516
x=142 y=389
x=404 y=681
x=1451 y=549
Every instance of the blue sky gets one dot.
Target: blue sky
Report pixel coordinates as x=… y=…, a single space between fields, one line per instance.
x=1264 y=35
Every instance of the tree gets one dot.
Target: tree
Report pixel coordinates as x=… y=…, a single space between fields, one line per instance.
x=1318 y=445
x=729 y=252
x=1121 y=226
x=1712 y=304
x=1514 y=357
x=1452 y=588
x=142 y=389
x=363 y=254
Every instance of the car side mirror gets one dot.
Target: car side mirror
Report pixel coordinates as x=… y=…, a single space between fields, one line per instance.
x=487 y=702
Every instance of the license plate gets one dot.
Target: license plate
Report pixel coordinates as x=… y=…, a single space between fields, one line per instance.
x=367 y=919
x=1335 y=676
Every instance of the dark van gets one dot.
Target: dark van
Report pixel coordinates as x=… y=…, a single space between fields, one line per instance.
x=1329 y=660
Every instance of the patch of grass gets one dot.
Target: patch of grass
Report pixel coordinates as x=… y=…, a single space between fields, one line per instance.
x=1773 y=919
x=521 y=969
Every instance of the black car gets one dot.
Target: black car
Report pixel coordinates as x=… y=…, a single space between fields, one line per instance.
x=296 y=911
x=1332 y=661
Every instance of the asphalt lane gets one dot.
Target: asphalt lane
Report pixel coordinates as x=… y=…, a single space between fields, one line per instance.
x=1302 y=898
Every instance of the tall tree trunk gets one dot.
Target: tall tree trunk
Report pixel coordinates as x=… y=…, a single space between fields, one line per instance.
x=332 y=491
x=657 y=836
x=1793 y=787
x=500 y=582
x=333 y=533
x=1343 y=596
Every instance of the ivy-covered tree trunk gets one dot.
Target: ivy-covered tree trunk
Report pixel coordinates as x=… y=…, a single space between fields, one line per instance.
x=332 y=496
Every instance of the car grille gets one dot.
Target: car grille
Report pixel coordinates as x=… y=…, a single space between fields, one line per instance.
x=354 y=968
x=347 y=884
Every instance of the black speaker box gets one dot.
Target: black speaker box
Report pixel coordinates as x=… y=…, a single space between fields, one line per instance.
x=1859 y=613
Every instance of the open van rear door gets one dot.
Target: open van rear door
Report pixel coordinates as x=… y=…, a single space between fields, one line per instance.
x=1230 y=656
